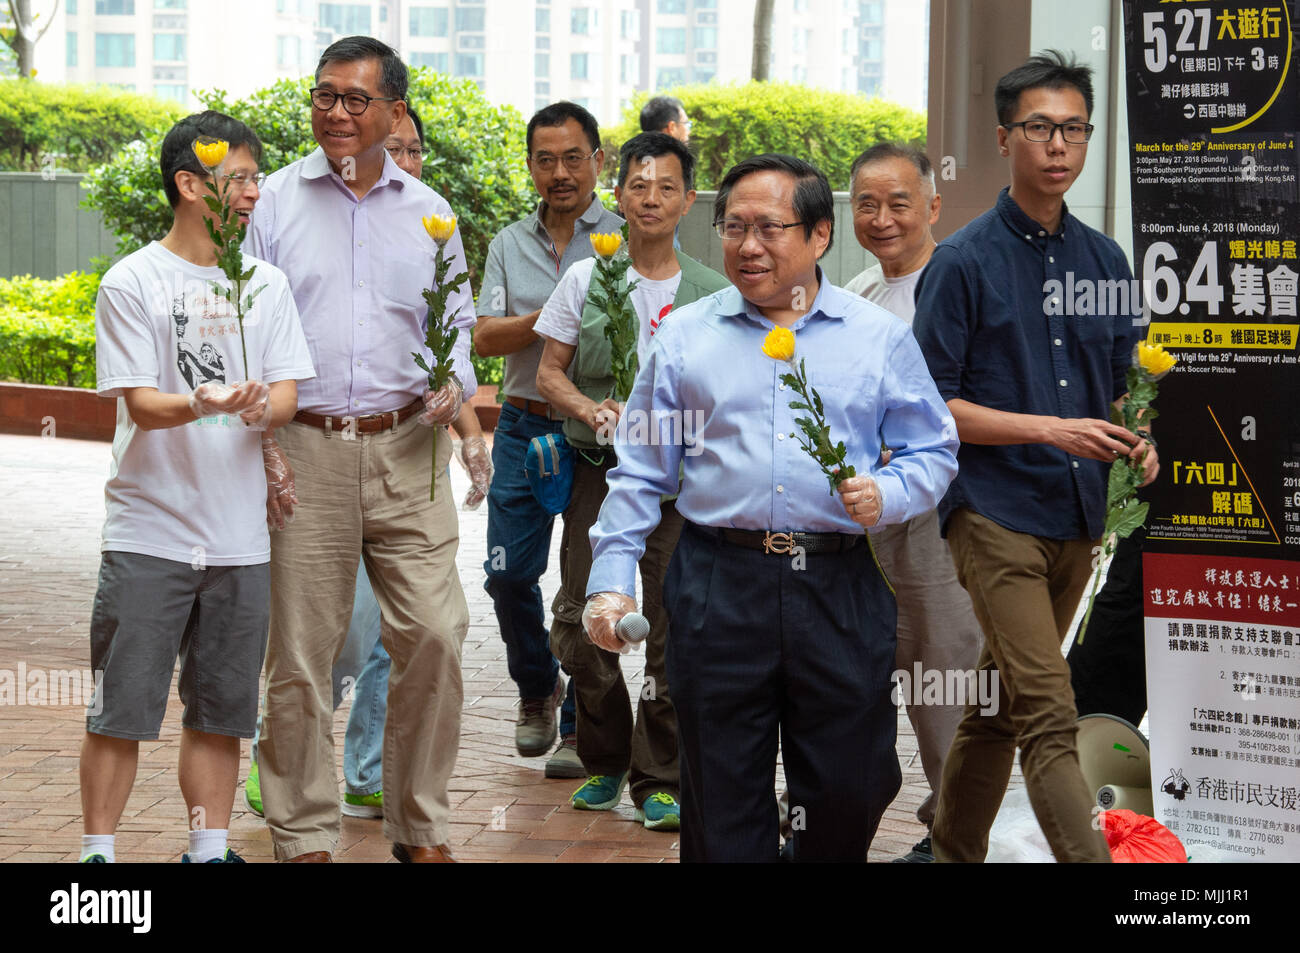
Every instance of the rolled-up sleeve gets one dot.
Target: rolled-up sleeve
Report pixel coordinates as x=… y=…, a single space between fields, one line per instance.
x=945 y=305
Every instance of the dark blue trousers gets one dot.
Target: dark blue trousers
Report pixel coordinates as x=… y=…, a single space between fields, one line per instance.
x=760 y=649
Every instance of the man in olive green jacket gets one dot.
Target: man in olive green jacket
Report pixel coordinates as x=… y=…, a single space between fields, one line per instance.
x=656 y=173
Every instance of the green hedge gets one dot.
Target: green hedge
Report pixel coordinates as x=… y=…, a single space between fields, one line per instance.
x=731 y=122
x=47 y=330
x=85 y=125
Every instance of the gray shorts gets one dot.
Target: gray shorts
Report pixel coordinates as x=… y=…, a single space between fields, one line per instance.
x=148 y=611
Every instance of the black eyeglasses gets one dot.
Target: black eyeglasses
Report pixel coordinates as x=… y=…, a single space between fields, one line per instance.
x=354 y=103
x=733 y=231
x=1036 y=130
x=572 y=160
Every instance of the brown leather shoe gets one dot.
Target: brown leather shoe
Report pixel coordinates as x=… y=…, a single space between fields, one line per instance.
x=312 y=857
x=424 y=855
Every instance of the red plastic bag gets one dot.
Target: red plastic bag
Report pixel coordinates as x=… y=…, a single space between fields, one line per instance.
x=1138 y=839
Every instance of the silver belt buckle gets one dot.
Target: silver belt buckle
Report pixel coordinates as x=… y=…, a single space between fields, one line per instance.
x=778 y=543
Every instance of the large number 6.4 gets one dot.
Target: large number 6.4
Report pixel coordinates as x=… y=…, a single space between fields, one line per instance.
x=1160 y=282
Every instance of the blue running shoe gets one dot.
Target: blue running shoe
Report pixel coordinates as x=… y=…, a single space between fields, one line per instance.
x=600 y=793
x=660 y=812
x=230 y=858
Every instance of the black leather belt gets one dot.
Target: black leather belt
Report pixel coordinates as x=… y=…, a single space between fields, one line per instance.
x=782 y=544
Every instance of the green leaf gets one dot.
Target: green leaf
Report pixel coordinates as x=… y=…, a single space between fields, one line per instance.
x=1128 y=519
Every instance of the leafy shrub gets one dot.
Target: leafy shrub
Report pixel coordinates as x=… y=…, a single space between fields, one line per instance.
x=47 y=330
x=84 y=125
x=731 y=122
x=475 y=160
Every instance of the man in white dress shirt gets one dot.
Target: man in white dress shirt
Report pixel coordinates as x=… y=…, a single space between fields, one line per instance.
x=344 y=224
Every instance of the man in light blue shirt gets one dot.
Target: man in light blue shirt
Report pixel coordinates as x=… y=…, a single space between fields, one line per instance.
x=781 y=623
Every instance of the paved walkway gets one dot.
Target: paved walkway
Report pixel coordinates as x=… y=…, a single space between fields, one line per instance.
x=503 y=809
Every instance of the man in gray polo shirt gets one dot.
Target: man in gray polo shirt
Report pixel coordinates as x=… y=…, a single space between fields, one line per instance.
x=524 y=263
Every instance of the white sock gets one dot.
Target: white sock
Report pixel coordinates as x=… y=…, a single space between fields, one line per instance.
x=207 y=845
x=98 y=844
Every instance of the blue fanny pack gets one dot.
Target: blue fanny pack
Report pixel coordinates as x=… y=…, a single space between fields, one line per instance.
x=549 y=465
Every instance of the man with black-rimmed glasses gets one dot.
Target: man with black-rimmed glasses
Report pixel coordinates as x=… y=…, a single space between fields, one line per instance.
x=345 y=226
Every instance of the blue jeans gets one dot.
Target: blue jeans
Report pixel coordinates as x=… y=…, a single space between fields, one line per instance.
x=519 y=541
x=361 y=669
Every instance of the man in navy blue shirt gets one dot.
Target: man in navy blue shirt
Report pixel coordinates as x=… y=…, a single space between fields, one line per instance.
x=1029 y=378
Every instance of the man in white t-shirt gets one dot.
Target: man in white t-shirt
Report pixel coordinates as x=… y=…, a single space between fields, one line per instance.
x=655 y=189
x=894 y=204
x=185 y=566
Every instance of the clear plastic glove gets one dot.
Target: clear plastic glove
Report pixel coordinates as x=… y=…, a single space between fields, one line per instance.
x=258 y=418
x=601 y=615
x=281 y=494
x=477 y=461
x=213 y=398
x=442 y=406
x=862 y=501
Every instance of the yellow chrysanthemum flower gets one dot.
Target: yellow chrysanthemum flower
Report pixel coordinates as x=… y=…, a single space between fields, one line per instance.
x=440 y=229
x=211 y=151
x=606 y=245
x=1155 y=360
x=779 y=344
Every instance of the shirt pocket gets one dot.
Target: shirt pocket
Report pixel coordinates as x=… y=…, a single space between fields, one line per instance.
x=405 y=277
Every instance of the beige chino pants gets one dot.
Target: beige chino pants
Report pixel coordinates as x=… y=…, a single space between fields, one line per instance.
x=368 y=498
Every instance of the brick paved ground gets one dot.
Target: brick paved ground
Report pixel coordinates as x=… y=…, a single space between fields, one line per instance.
x=52 y=492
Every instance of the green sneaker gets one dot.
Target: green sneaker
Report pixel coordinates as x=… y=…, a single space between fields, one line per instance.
x=94 y=859
x=600 y=793
x=660 y=812
x=253 y=790
x=230 y=857
x=364 y=805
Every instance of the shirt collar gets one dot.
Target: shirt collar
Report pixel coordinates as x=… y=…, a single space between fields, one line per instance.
x=316 y=166
x=829 y=303
x=1022 y=224
x=591 y=216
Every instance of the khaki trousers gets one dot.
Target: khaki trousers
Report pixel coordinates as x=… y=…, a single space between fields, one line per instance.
x=1025 y=590
x=608 y=742
x=364 y=498
x=937 y=628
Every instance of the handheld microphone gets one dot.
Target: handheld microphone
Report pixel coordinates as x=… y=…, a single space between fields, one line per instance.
x=632 y=628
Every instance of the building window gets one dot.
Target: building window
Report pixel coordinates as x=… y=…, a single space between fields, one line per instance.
x=580 y=21
x=158 y=5
x=72 y=8
x=542 y=87
x=345 y=19
x=471 y=41
x=469 y=64
x=672 y=6
x=114 y=49
x=170 y=91
x=428 y=21
x=71 y=48
x=629 y=24
x=670 y=39
x=673 y=76
x=383 y=14
x=169 y=47
x=471 y=20
x=543 y=43
x=870 y=13
x=434 y=61
x=629 y=68
x=704 y=75
x=542 y=20
x=707 y=37
x=288 y=50
x=578 y=65
x=114 y=7
x=541 y=64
